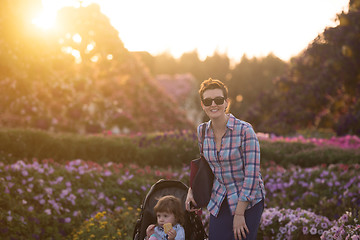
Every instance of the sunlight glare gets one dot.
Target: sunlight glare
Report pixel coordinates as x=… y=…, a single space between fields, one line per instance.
x=77 y=38
x=75 y=53
x=45 y=21
x=66 y=50
x=90 y=47
x=254 y=28
x=94 y=59
x=77 y=56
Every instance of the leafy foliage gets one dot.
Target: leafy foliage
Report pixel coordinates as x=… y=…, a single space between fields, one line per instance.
x=79 y=78
x=322 y=87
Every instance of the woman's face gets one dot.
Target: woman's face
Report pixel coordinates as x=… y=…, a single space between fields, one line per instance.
x=217 y=107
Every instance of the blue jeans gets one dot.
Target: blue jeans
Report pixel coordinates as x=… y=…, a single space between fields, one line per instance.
x=221 y=227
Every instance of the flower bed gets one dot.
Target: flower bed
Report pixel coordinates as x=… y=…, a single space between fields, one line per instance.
x=346 y=227
x=292 y=224
x=46 y=199
x=344 y=142
x=327 y=190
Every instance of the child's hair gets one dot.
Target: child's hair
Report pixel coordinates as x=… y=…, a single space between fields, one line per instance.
x=212 y=84
x=170 y=204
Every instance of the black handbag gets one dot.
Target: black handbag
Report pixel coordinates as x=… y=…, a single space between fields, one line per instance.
x=201 y=177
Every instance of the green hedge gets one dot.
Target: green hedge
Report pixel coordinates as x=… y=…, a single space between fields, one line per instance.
x=161 y=149
x=306 y=154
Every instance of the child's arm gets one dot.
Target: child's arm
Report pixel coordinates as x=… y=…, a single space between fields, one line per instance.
x=180 y=233
x=150 y=230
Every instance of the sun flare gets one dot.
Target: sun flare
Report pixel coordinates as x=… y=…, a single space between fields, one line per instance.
x=44 y=21
x=241 y=27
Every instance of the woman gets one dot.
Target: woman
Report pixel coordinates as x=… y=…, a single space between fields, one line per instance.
x=233 y=153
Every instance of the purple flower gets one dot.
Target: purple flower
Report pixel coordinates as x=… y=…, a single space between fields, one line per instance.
x=120 y=181
x=67 y=220
x=313 y=231
x=47 y=211
x=293 y=228
x=48 y=190
x=101 y=195
x=71 y=198
x=324 y=225
x=64 y=192
x=50 y=171
x=345 y=218
x=24 y=173
x=305 y=230
x=76 y=213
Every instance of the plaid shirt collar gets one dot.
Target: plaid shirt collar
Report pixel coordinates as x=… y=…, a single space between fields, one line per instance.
x=230 y=123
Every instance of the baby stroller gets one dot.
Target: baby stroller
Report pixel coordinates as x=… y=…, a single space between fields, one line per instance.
x=194 y=229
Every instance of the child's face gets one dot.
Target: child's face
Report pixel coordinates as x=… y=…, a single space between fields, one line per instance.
x=165 y=217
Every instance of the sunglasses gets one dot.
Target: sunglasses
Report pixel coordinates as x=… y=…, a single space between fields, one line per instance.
x=208 y=101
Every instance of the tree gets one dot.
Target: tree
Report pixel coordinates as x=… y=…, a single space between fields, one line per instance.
x=252 y=88
x=217 y=66
x=79 y=78
x=322 y=88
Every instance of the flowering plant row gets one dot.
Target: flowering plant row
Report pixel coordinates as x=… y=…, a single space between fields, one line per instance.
x=345 y=142
x=84 y=200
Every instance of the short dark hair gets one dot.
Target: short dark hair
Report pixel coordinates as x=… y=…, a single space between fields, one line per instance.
x=170 y=204
x=213 y=84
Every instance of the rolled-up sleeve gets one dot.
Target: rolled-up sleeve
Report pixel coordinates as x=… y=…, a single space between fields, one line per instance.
x=251 y=156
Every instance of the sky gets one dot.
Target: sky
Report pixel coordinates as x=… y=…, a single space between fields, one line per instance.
x=231 y=27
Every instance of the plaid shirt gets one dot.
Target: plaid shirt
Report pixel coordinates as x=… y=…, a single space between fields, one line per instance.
x=236 y=166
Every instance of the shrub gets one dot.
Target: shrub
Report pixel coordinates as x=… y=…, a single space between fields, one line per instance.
x=157 y=149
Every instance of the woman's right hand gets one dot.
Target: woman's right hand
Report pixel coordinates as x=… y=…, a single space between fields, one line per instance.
x=190 y=199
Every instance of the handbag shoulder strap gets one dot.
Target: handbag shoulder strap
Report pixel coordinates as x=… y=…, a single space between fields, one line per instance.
x=203 y=137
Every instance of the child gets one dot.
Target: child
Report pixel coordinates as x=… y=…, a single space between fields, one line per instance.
x=168 y=211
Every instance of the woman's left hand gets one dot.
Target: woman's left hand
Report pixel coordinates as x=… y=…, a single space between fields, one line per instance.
x=239 y=227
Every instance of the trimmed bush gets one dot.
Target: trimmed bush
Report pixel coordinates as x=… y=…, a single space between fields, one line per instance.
x=158 y=149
